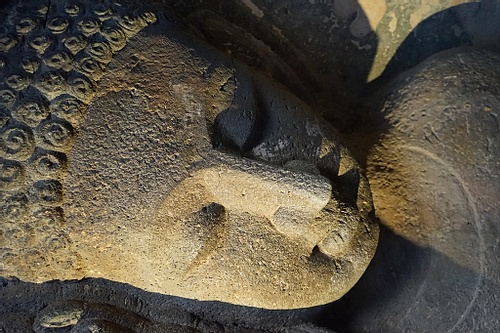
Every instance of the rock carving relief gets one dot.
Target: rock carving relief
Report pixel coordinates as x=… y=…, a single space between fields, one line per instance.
x=52 y=54
x=79 y=316
x=167 y=169
x=163 y=152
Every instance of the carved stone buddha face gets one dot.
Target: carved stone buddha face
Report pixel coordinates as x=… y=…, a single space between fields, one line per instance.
x=134 y=152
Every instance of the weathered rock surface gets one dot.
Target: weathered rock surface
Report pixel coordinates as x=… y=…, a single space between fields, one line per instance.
x=98 y=305
x=325 y=50
x=133 y=152
x=435 y=180
x=436 y=268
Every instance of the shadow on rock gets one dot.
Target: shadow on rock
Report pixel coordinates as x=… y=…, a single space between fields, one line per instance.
x=321 y=50
x=470 y=24
x=411 y=287
x=51 y=306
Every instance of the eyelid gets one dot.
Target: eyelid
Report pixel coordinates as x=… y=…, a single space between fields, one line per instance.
x=240 y=126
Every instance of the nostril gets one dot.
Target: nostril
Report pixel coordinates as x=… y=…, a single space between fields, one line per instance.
x=208 y=228
x=213 y=211
x=210 y=220
x=319 y=256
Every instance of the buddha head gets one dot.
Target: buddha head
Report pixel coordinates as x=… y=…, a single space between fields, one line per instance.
x=135 y=152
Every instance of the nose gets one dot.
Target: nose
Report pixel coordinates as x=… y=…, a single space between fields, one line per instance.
x=289 y=199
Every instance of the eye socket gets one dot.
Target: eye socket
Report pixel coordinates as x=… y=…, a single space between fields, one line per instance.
x=240 y=127
x=233 y=128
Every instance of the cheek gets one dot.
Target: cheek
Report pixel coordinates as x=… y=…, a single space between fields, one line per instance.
x=189 y=229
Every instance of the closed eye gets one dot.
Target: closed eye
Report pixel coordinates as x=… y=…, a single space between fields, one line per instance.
x=239 y=128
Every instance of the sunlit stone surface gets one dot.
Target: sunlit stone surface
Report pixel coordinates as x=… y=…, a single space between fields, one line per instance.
x=435 y=175
x=75 y=78
x=136 y=153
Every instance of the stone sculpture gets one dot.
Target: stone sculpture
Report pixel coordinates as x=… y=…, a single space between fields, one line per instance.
x=444 y=112
x=434 y=173
x=133 y=152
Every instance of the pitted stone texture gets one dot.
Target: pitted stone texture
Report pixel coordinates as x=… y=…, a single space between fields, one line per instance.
x=44 y=99
x=119 y=166
x=97 y=305
x=322 y=50
x=413 y=30
x=435 y=179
